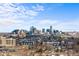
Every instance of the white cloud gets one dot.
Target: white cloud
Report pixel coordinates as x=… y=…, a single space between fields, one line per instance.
x=38 y=7
x=12 y=10
x=15 y=13
x=47 y=21
x=31 y=13
x=8 y=22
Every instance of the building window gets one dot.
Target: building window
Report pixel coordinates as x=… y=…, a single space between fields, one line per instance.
x=12 y=42
x=8 y=41
x=77 y=43
x=0 y=41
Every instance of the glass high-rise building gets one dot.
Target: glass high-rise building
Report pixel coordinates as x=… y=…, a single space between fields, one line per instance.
x=50 y=29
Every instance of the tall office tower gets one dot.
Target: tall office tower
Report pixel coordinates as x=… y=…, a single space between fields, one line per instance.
x=50 y=29
x=32 y=29
x=43 y=30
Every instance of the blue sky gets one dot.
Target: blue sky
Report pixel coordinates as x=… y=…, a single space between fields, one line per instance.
x=63 y=17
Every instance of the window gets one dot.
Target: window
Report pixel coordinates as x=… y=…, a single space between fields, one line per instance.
x=8 y=42
x=12 y=42
x=77 y=43
x=0 y=41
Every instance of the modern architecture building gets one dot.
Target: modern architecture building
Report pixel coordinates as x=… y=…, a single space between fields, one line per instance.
x=43 y=30
x=50 y=29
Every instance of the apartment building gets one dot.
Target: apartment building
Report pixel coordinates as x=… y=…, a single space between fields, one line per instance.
x=7 y=42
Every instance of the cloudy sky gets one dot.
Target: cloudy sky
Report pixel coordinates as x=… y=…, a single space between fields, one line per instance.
x=64 y=17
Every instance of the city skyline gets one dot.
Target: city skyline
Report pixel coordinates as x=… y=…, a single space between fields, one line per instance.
x=63 y=17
